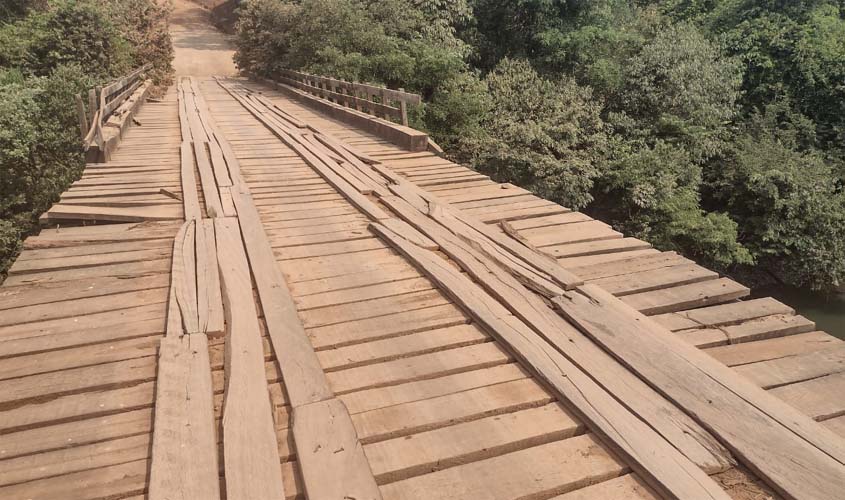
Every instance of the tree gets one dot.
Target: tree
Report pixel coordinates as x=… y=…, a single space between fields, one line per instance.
x=680 y=89
x=789 y=202
x=543 y=135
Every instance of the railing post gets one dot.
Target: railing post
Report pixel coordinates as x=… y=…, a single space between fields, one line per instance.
x=357 y=95
x=384 y=103
x=83 y=119
x=92 y=105
x=403 y=109
x=102 y=103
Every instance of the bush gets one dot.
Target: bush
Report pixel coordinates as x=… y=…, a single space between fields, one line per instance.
x=545 y=136
x=40 y=153
x=787 y=199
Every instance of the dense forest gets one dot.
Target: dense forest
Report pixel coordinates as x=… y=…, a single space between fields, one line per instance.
x=51 y=50
x=712 y=127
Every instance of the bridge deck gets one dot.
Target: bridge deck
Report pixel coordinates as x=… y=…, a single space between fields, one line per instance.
x=442 y=408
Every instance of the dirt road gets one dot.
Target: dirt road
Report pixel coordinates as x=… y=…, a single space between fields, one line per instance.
x=201 y=50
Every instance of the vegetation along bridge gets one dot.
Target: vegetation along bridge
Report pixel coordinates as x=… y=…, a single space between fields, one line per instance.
x=259 y=290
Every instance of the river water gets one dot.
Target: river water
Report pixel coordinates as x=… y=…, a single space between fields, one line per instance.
x=828 y=311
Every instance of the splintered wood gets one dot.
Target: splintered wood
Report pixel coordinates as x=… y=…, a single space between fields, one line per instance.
x=250 y=454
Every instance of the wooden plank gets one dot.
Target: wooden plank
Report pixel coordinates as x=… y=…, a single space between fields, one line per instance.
x=412 y=344
x=189 y=183
x=409 y=369
x=209 y=300
x=218 y=164
x=184 y=452
x=401 y=458
x=184 y=277
x=639 y=444
x=627 y=264
x=686 y=296
x=304 y=378
x=346 y=295
x=737 y=312
x=768 y=327
x=210 y=194
x=752 y=352
x=321 y=166
x=792 y=369
x=81 y=307
x=821 y=398
x=548 y=469
x=60 y=212
x=251 y=458
x=326 y=441
x=655 y=279
x=627 y=487
x=385 y=326
x=76 y=433
x=391 y=396
x=117 y=481
x=788 y=450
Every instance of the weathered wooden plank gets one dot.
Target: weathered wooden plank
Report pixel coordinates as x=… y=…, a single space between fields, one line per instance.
x=184 y=452
x=409 y=369
x=700 y=294
x=304 y=378
x=60 y=212
x=184 y=275
x=400 y=458
x=792 y=369
x=412 y=344
x=209 y=300
x=821 y=398
x=548 y=469
x=251 y=457
x=210 y=193
x=326 y=441
x=627 y=487
x=190 y=199
x=752 y=352
x=788 y=450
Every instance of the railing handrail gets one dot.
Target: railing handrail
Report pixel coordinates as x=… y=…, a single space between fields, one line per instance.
x=102 y=102
x=373 y=99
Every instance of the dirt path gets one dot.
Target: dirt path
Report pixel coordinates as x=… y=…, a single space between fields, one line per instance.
x=201 y=50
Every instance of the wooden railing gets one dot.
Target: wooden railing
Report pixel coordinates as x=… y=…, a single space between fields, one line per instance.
x=378 y=101
x=102 y=102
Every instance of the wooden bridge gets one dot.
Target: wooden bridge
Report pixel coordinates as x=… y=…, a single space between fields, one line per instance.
x=266 y=295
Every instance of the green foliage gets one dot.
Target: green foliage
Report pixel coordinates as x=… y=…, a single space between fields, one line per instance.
x=543 y=135
x=652 y=192
x=788 y=201
x=68 y=32
x=39 y=148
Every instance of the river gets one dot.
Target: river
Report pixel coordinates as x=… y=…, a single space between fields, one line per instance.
x=828 y=311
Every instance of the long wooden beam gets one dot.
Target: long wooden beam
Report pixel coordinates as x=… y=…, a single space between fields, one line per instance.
x=184 y=452
x=251 y=455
